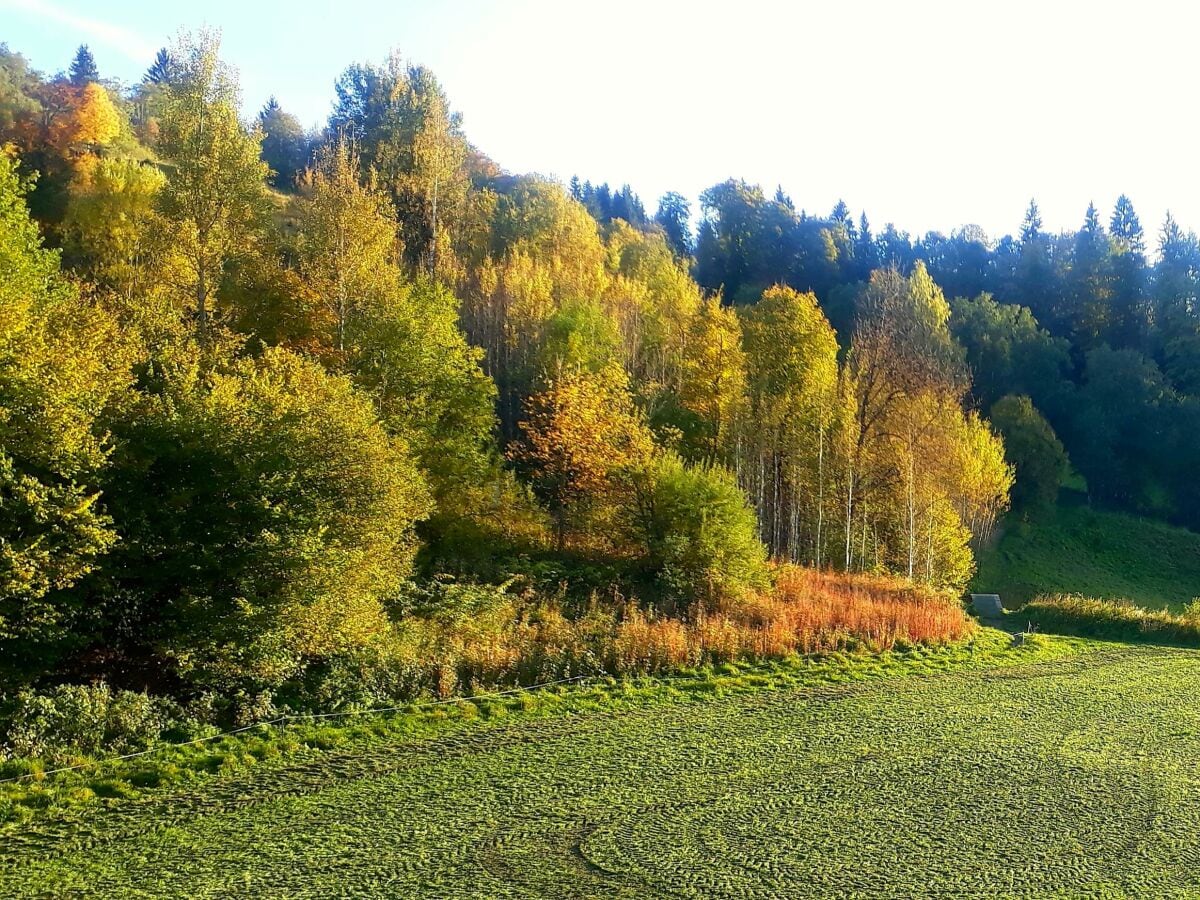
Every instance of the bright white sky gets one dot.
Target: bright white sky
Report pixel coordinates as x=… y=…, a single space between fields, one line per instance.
x=928 y=114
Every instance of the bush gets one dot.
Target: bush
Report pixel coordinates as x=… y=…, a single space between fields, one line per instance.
x=265 y=517
x=85 y=719
x=136 y=720
x=1111 y=620
x=697 y=530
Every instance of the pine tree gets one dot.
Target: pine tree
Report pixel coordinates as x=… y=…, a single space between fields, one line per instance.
x=1031 y=227
x=1090 y=294
x=1130 y=315
x=83 y=67
x=674 y=218
x=160 y=70
x=1126 y=226
x=285 y=147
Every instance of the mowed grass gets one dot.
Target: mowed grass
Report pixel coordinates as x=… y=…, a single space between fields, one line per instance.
x=1064 y=773
x=1095 y=553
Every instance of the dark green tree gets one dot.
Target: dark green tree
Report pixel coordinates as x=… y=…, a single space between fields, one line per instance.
x=285 y=146
x=674 y=218
x=1088 y=311
x=1130 y=310
x=1033 y=449
x=161 y=69
x=1176 y=294
x=83 y=67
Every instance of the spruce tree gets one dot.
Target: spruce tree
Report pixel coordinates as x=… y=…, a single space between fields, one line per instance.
x=83 y=67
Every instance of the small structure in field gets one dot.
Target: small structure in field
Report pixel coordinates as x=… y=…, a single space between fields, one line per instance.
x=987 y=605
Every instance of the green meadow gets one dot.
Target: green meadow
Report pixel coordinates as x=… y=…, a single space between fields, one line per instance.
x=1056 y=768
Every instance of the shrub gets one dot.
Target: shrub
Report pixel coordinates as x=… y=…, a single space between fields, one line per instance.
x=72 y=716
x=135 y=720
x=85 y=719
x=697 y=530
x=265 y=516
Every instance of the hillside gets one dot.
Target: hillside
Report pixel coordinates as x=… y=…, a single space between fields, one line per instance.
x=1081 y=550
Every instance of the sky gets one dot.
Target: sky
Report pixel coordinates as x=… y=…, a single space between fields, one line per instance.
x=927 y=114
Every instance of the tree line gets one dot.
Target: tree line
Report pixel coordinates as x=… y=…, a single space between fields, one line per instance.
x=1102 y=341
x=255 y=381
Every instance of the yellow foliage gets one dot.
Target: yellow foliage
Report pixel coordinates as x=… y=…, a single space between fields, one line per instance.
x=579 y=433
x=90 y=120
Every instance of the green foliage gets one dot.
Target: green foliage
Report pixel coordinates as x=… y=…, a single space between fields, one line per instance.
x=60 y=363
x=401 y=120
x=85 y=720
x=18 y=108
x=674 y=218
x=412 y=357
x=696 y=529
x=285 y=146
x=578 y=336
x=1122 y=407
x=399 y=341
x=267 y=517
x=1031 y=446
x=1007 y=352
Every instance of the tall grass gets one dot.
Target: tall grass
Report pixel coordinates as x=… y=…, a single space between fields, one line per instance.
x=1116 y=620
x=470 y=639
x=526 y=639
x=813 y=611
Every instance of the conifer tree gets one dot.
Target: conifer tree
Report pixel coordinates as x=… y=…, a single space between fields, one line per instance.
x=83 y=67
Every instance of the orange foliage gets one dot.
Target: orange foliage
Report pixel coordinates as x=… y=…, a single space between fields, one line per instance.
x=87 y=117
x=813 y=611
x=525 y=640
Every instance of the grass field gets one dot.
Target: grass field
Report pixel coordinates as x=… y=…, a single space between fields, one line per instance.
x=1071 y=773
x=1108 y=555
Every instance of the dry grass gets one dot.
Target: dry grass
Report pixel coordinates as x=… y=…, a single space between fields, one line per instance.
x=528 y=639
x=814 y=611
x=1112 y=620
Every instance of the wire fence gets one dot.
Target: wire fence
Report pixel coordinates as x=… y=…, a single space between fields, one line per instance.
x=296 y=717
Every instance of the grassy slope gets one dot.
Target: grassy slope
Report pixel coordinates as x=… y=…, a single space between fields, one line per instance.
x=1108 y=555
x=1057 y=776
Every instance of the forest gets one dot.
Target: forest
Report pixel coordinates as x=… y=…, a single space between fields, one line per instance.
x=300 y=419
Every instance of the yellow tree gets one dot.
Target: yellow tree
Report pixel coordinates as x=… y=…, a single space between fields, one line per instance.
x=60 y=364
x=543 y=251
x=215 y=202
x=90 y=120
x=792 y=372
x=901 y=352
x=713 y=378
x=581 y=431
x=435 y=180
x=111 y=222
x=653 y=299
x=347 y=246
